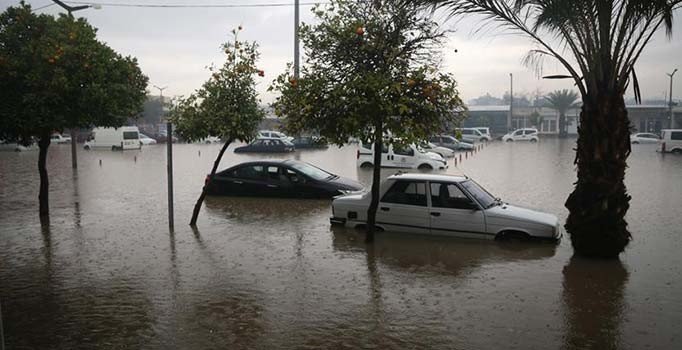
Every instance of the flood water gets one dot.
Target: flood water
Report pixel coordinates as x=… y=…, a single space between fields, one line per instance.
x=107 y=273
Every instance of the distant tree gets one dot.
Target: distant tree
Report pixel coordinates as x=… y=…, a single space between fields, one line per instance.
x=371 y=69
x=562 y=101
x=598 y=42
x=487 y=100
x=535 y=119
x=520 y=99
x=226 y=105
x=55 y=74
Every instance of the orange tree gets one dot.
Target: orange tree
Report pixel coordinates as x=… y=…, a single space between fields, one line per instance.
x=55 y=74
x=226 y=105
x=371 y=70
x=598 y=42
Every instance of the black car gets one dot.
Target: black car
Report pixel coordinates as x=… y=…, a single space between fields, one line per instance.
x=313 y=142
x=280 y=178
x=266 y=145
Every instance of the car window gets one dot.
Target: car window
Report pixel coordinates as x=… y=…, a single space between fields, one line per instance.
x=651 y=136
x=406 y=192
x=483 y=197
x=257 y=142
x=518 y=132
x=403 y=150
x=676 y=135
x=130 y=135
x=276 y=142
x=447 y=140
x=529 y=132
x=249 y=172
x=435 y=139
x=311 y=171
x=449 y=196
x=273 y=172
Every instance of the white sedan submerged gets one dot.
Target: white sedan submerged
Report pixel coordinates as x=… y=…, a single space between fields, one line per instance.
x=444 y=205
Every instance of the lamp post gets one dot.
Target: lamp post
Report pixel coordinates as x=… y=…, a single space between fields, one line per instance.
x=511 y=101
x=72 y=131
x=670 y=100
x=169 y=159
x=297 y=65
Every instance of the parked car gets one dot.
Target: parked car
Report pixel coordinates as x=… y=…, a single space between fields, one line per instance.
x=274 y=135
x=444 y=205
x=15 y=147
x=527 y=134
x=59 y=138
x=210 y=139
x=450 y=142
x=280 y=178
x=266 y=145
x=304 y=142
x=671 y=141
x=123 y=138
x=395 y=156
x=485 y=132
x=473 y=135
x=644 y=137
x=443 y=151
x=146 y=140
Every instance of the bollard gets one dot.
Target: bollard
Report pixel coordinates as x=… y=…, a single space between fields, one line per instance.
x=135 y=159
x=199 y=153
x=455 y=161
x=460 y=158
x=100 y=162
x=466 y=155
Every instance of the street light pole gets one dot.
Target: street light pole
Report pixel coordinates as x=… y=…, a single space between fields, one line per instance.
x=297 y=63
x=670 y=100
x=511 y=101
x=72 y=131
x=169 y=159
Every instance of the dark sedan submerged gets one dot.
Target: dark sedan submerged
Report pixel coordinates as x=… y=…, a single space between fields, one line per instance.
x=266 y=145
x=280 y=178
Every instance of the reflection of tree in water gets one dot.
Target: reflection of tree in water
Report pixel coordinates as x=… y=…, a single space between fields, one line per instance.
x=593 y=302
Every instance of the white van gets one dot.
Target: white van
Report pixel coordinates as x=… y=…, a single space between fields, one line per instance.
x=396 y=156
x=472 y=135
x=671 y=141
x=125 y=137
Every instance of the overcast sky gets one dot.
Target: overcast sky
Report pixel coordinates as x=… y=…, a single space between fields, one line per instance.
x=174 y=46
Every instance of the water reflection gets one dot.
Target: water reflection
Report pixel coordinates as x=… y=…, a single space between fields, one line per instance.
x=593 y=302
x=437 y=254
x=248 y=209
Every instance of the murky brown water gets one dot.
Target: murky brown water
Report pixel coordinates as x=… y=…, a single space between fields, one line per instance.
x=270 y=274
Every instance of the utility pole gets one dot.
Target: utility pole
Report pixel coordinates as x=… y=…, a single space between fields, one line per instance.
x=169 y=159
x=670 y=100
x=297 y=64
x=511 y=101
x=72 y=131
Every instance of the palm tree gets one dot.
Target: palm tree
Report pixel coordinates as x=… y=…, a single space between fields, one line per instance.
x=598 y=42
x=562 y=101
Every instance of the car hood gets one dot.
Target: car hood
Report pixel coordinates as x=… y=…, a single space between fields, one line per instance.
x=345 y=184
x=466 y=145
x=513 y=212
x=434 y=156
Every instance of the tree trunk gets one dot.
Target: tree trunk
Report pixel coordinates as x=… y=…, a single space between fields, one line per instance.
x=563 y=132
x=200 y=201
x=599 y=202
x=376 y=182
x=43 y=196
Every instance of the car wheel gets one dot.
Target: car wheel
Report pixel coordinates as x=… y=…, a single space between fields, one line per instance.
x=509 y=236
x=676 y=151
x=533 y=140
x=425 y=167
x=510 y=140
x=87 y=147
x=635 y=142
x=366 y=165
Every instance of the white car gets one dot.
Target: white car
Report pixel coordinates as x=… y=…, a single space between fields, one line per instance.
x=473 y=135
x=146 y=140
x=644 y=137
x=210 y=139
x=443 y=151
x=408 y=156
x=60 y=139
x=444 y=205
x=671 y=141
x=274 y=135
x=527 y=134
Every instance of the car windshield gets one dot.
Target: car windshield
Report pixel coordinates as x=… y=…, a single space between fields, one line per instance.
x=312 y=171
x=277 y=134
x=482 y=196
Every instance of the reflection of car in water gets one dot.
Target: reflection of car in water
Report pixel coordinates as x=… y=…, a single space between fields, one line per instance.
x=266 y=145
x=455 y=256
x=444 y=205
x=15 y=147
x=280 y=178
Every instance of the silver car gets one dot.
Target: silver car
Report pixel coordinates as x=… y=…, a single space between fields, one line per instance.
x=445 y=205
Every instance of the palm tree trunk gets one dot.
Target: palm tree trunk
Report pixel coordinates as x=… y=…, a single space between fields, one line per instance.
x=376 y=182
x=562 y=126
x=43 y=196
x=599 y=202
x=200 y=201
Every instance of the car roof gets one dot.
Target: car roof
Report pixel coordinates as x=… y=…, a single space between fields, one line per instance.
x=428 y=177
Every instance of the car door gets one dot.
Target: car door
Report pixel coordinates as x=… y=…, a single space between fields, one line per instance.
x=649 y=138
x=403 y=208
x=518 y=135
x=453 y=213
x=247 y=180
x=403 y=156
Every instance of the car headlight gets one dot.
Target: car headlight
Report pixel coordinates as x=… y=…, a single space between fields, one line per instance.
x=345 y=192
